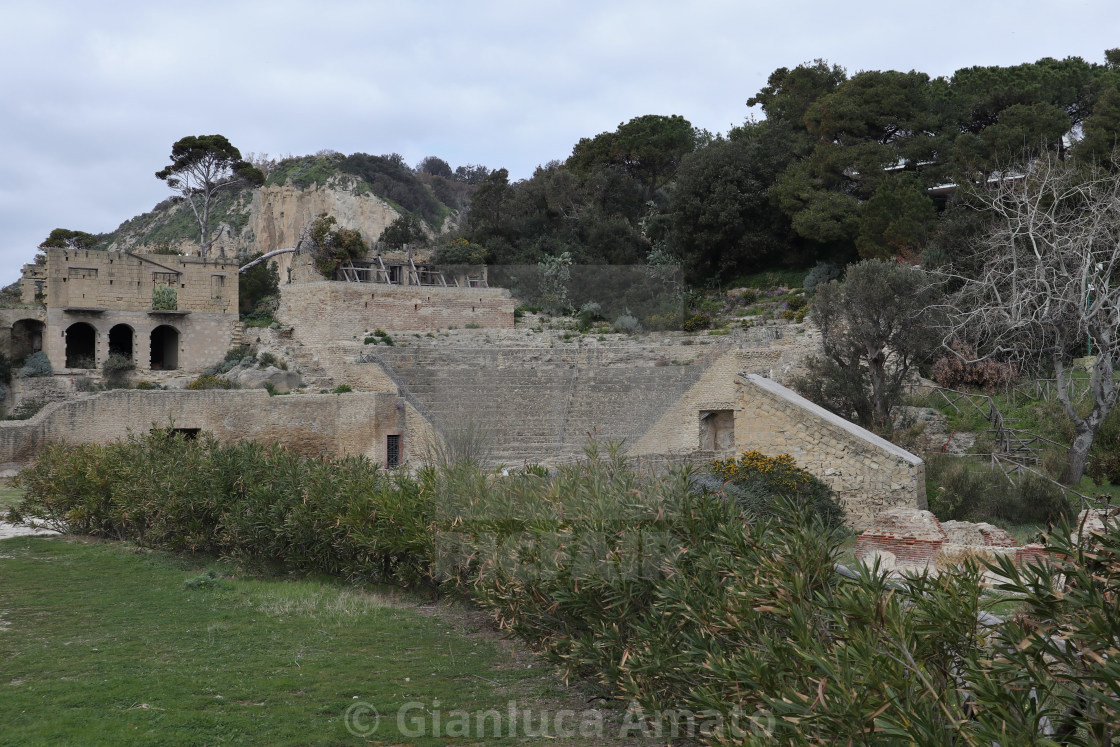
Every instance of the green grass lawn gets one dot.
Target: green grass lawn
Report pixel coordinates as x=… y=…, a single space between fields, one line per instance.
x=103 y=643
x=9 y=496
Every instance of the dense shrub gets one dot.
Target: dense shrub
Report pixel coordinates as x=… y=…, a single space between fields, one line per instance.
x=389 y=176
x=461 y=252
x=627 y=324
x=37 y=364
x=667 y=595
x=232 y=358
x=756 y=482
x=822 y=273
x=116 y=366
x=209 y=381
x=971 y=492
x=334 y=246
x=696 y=321
x=261 y=505
x=1104 y=467
x=262 y=318
x=164 y=298
x=748 y=296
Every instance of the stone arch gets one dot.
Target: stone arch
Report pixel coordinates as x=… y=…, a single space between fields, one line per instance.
x=81 y=345
x=121 y=340
x=27 y=338
x=165 y=348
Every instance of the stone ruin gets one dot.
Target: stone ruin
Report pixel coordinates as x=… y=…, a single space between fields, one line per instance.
x=909 y=539
x=913 y=539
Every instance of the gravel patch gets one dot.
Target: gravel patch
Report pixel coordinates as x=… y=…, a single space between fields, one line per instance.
x=16 y=530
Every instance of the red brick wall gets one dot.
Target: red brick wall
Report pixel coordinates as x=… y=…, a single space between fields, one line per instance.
x=908 y=550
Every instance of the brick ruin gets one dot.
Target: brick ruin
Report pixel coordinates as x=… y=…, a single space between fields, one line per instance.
x=908 y=538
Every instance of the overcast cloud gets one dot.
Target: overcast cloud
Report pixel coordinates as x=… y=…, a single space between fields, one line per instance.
x=94 y=94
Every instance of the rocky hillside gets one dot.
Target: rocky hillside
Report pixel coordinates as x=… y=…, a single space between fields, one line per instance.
x=362 y=192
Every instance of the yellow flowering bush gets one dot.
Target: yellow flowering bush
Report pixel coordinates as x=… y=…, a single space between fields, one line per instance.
x=755 y=479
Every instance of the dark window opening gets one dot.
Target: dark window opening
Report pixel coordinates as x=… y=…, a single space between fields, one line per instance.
x=188 y=434
x=392 y=451
x=27 y=338
x=81 y=346
x=165 y=348
x=120 y=341
x=717 y=430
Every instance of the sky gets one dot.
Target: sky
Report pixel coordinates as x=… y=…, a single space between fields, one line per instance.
x=92 y=95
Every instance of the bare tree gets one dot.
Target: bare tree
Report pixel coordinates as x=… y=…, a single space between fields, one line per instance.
x=1049 y=285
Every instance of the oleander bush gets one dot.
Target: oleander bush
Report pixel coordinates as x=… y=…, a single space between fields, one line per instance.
x=261 y=505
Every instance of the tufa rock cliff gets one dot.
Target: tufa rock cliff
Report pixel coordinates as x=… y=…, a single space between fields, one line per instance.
x=274 y=216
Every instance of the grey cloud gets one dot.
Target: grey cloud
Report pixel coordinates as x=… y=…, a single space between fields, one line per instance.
x=102 y=90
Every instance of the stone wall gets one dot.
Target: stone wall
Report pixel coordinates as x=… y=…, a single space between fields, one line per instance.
x=203 y=338
x=355 y=423
x=542 y=404
x=123 y=282
x=869 y=474
x=908 y=538
x=45 y=388
x=329 y=311
x=677 y=431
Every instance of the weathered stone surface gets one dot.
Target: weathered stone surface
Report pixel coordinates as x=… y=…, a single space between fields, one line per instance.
x=252 y=377
x=1094 y=521
x=868 y=473
x=980 y=534
x=355 y=423
x=325 y=311
x=916 y=538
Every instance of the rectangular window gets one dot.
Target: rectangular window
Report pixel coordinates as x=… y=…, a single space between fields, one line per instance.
x=392 y=451
x=165 y=278
x=217 y=285
x=717 y=430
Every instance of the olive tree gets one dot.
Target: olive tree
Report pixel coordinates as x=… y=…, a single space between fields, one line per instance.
x=1048 y=288
x=876 y=325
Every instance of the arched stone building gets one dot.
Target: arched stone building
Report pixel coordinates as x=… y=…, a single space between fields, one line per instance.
x=161 y=312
